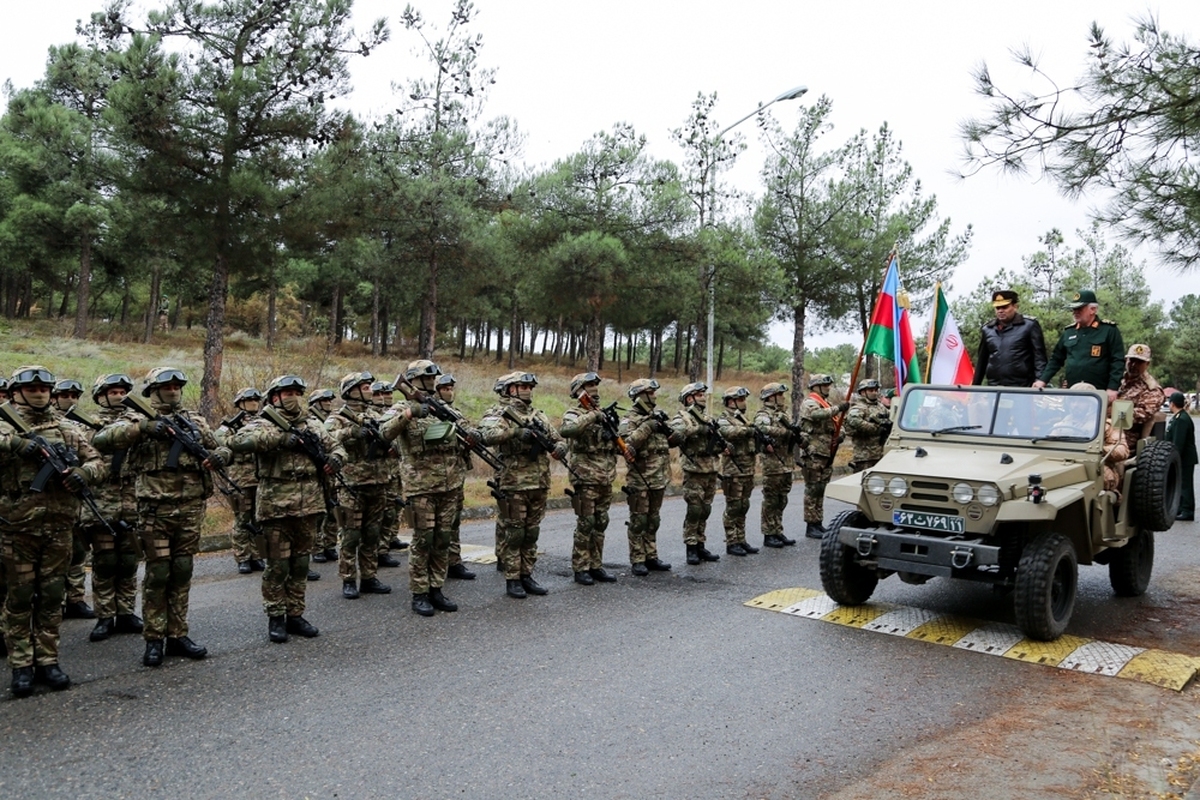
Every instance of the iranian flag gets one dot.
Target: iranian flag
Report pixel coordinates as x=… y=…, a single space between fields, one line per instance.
x=949 y=362
x=890 y=334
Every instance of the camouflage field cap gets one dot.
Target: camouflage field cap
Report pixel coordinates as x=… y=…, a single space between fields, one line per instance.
x=820 y=380
x=161 y=376
x=109 y=381
x=691 y=389
x=352 y=379
x=1139 y=351
x=641 y=386
x=772 y=389
x=735 y=393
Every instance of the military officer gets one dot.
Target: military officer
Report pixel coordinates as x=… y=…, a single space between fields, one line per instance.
x=1138 y=385
x=700 y=447
x=737 y=468
x=1089 y=348
x=290 y=501
x=525 y=439
x=172 y=488
x=645 y=430
x=245 y=550
x=774 y=425
x=593 y=454
x=818 y=418
x=868 y=424
x=65 y=396
x=320 y=406
x=35 y=536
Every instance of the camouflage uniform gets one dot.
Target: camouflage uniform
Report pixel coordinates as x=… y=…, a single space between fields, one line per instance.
x=777 y=466
x=242 y=472
x=699 y=453
x=172 y=489
x=327 y=529
x=381 y=398
x=645 y=429
x=868 y=424
x=1145 y=392
x=593 y=454
x=524 y=482
x=36 y=539
x=291 y=502
x=817 y=421
x=737 y=475
x=65 y=396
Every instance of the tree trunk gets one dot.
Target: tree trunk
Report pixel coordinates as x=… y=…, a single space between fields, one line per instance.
x=678 y=347
x=272 y=321
x=155 y=300
x=84 y=287
x=514 y=336
x=798 y=392
x=335 y=316
x=214 y=336
x=720 y=359
x=558 y=342
x=595 y=341
x=385 y=329
x=695 y=363
x=429 y=311
x=375 y=318
x=499 y=343
x=462 y=339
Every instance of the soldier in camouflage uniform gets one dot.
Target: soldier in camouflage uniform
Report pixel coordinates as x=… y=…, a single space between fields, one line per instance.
x=699 y=453
x=593 y=455
x=382 y=394
x=320 y=406
x=525 y=479
x=172 y=489
x=433 y=471
x=4 y=394
x=868 y=424
x=818 y=419
x=114 y=559
x=774 y=425
x=35 y=537
x=646 y=431
x=245 y=550
x=1138 y=385
x=65 y=396
x=355 y=427
x=737 y=468
x=290 y=502
x=444 y=385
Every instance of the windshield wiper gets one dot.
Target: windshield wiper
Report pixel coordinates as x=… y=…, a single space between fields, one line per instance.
x=1062 y=438
x=953 y=428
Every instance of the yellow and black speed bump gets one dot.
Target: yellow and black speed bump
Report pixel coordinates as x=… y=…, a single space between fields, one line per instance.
x=1159 y=667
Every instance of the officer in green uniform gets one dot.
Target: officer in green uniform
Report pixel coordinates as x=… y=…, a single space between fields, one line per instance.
x=1091 y=349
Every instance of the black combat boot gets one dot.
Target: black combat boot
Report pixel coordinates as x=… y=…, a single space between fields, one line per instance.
x=78 y=610
x=736 y=549
x=277 y=629
x=313 y=575
x=22 y=682
x=184 y=646
x=460 y=572
x=600 y=575
x=319 y=557
x=440 y=601
x=330 y=555
x=814 y=530
x=693 y=554
x=153 y=656
x=387 y=560
x=532 y=586
x=302 y=627
x=373 y=586
x=421 y=604
x=515 y=589
x=129 y=623
x=657 y=565
x=639 y=568
x=396 y=544
x=105 y=627
x=245 y=568
x=773 y=540
x=750 y=549
x=258 y=565
x=349 y=590
x=706 y=555
x=584 y=578
x=786 y=541
x=52 y=676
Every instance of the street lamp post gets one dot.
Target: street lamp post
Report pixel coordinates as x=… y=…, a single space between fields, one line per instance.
x=790 y=94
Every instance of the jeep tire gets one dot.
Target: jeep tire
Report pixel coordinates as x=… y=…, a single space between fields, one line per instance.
x=1154 y=490
x=1130 y=566
x=1047 y=579
x=847 y=582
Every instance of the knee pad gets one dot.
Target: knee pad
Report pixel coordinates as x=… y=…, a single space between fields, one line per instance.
x=707 y=512
x=127 y=565
x=53 y=592
x=601 y=522
x=157 y=574
x=21 y=595
x=104 y=562
x=695 y=513
x=181 y=570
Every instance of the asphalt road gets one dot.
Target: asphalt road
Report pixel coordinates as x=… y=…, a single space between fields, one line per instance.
x=664 y=686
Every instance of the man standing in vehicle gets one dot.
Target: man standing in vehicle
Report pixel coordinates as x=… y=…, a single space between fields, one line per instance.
x=1012 y=349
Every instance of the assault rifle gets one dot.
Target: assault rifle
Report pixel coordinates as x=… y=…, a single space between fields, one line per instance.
x=377 y=446
x=716 y=442
x=447 y=413
x=311 y=446
x=608 y=418
x=75 y=415
x=234 y=422
x=185 y=437
x=55 y=458
x=541 y=439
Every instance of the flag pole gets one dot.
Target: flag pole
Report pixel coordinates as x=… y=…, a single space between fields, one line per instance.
x=932 y=338
x=837 y=420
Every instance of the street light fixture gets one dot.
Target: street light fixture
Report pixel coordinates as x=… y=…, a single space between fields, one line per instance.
x=790 y=94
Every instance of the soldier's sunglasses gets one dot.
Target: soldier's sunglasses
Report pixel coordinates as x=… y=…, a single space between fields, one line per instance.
x=428 y=369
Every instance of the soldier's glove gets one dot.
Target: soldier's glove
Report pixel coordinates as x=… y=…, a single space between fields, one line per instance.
x=24 y=448
x=560 y=451
x=216 y=461
x=885 y=429
x=154 y=428
x=472 y=435
x=334 y=463
x=842 y=406
x=75 y=480
x=419 y=410
x=290 y=441
x=630 y=453
x=526 y=436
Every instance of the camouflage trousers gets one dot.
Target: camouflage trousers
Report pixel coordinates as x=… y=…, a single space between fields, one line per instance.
x=327 y=532
x=35 y=566
x=170 y=536
x=455 y=544
x=242 y=538
x=520 y=521
x=287 y=542
x=817 y=473
x=591 y=502
x=361 y=526
x=390 y=527
x=644 y=519
x=77 y=571
x=858 y=465
x=737 y=490
x=114 y=568
x=429 y=554
x=775 y=490
x=699 y=488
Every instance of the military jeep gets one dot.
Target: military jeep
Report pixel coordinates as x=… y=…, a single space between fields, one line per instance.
x=1003 y=486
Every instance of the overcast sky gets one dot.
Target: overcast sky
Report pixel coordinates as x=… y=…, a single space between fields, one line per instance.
x=566 y=70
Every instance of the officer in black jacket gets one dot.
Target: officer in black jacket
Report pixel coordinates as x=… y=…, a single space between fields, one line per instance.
x=1012 y=349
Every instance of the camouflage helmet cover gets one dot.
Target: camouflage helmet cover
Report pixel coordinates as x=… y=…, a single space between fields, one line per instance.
x=160 y=376
x=641 y=386
x=66 y=385
x=283 y=382
x=248 y=393
x=381 y=387
x=581 y=380
x=352 y=379
x=867 y=384
x=109 y=380
x=320 y=395
x=820 y=380
x=772 y=389
x=514 y=379
x=30 y=374
x=421 y=368
x=691 y=389
x=735 y=393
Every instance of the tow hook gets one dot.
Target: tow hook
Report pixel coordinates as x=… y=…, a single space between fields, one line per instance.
x=865 y=543
x=960 y=557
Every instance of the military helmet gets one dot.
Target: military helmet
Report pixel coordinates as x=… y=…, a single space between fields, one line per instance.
x=352 y=379
x=421 y=368
x=641 y=386
x=735 y=393
x=498 y=386
x=320 y=396
x=691 y=389
x=249 y=393
x=283 y=382
x=3 y=384
x=581 y=380
x=820 y=380
x=160 y=376
x=65 y=386
x=514 y=379
x=34 y=373
x=381 y=387
x=105 y=382
x=444 y=380
x=1139 y=351
x=867 y=384
x=772 y=389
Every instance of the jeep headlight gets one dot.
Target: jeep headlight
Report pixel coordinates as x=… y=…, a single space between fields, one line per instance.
x=988 y=494
x=962 y=493
x=876 y=485
x=898 y=487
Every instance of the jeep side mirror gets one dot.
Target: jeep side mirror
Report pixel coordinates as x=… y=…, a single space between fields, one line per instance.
x=1122 y=414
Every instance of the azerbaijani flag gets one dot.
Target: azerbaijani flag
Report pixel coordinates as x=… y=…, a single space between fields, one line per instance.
x=890 y=335
x=949 y=362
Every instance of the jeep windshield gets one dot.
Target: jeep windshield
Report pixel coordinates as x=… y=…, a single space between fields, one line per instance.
x=1047 y=415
